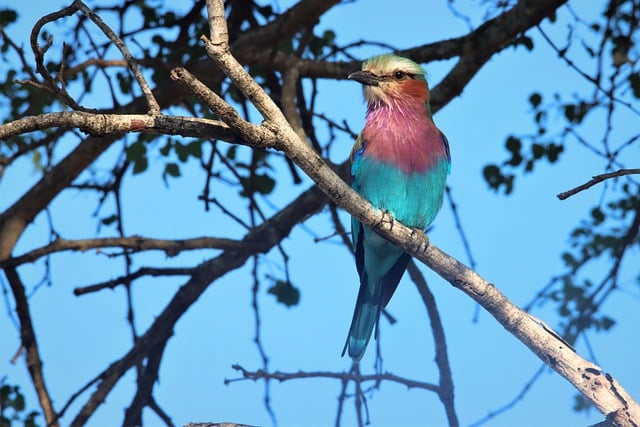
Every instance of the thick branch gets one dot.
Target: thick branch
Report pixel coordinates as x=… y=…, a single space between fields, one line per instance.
x=29 y=342
x=14 y=220
x=269 y=234
x=147 y=378
x=107 y=124
x=490 y=38
x=600 y=388
x=134 y=243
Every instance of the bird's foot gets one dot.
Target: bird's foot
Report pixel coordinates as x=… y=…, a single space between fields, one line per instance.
x=419 y=240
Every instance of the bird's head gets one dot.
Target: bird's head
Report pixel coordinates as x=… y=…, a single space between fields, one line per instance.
x=388 y=78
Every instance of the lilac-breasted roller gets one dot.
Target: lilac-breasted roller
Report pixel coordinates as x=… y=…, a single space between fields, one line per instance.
x=399 y=163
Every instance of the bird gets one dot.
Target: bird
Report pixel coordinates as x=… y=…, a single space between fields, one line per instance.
x=399 y=163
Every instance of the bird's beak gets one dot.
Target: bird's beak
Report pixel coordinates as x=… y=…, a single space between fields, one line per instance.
x=365 y=77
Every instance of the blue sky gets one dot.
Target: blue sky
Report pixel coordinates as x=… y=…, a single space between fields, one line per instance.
x=515 y=240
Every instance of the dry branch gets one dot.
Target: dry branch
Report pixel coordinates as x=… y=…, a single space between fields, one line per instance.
x=596 y=180
x=475 y=49
x=133 y=243
x=595 y=384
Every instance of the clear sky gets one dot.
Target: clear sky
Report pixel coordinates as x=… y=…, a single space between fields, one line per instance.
x=516 y=241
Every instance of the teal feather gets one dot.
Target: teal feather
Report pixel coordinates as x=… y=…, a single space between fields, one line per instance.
x=400 y=163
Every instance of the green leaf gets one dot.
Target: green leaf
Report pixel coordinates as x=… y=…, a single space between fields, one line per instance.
x=166 y=149
x=264 y=184
x=7 y=16
x=194 y=148
x=285 y=293
x=597 y=215
x=140 y=165
x=496 y=179
x=515 y=159
x=37 y=160
x=537 y=150
x=136 y=151
x=18 y=402
x=581 y=404
x=231 y=152
x=124 y=81
x=493 y=176
x=569 y=260
x=570 y=112
x=528 y=166
x=553 y=152
x=181 y=151
x=329 y=37
x=172 y=169
x=576 y=112
x=535 y=99
x=606 y=323
x=513 y=144
x=109 y=220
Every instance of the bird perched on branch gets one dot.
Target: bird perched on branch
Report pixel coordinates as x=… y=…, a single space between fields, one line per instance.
x=399 y=163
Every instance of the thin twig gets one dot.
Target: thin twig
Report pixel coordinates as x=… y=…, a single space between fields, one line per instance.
x=128 y=278
x=131 y=243
x=527 y=387
x=353 y=375
x=445 y=388
x=154 y=107
x=595 y=180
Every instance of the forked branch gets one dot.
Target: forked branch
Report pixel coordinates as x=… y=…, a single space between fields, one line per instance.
x=595 y=384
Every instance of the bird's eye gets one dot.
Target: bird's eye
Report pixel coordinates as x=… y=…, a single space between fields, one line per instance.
x=399 y=75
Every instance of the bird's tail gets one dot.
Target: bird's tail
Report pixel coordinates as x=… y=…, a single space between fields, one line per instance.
x=365 y=318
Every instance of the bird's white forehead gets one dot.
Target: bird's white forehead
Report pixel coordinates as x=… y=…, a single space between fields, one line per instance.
x=386 y=64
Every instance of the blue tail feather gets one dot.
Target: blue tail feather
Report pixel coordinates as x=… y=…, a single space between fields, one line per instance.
x=365 y=318
x=377 y=285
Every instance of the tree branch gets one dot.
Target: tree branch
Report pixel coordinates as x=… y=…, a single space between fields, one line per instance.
x=445 y=388
x=343 y=376
x=134 y=243
x=154 y=108
x=128 y=278
x=96 y=124
x=29 y=342
x=269 y=233
x=596 y=180
x=600 y=388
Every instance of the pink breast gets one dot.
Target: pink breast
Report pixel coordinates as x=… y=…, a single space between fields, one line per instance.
x=406 y=139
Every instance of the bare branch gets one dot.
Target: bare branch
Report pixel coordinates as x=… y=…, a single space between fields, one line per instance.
x=109 y=124
x=127 y=279
x=268 y=233
x=445 y=388
x=342 y=376
x=39 y=52
x=249 y=132
x=589 y=379
x=154 y=108
x=30 y=344
x=527 y=387
x=596 y=180
x=134 y=243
